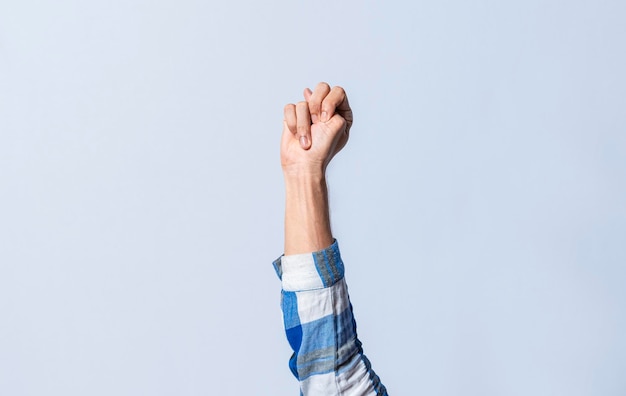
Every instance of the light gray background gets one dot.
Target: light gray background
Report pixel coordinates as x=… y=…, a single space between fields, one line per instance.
x=480 y=204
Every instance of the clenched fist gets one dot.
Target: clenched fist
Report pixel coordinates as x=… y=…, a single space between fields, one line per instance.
x=315 y=129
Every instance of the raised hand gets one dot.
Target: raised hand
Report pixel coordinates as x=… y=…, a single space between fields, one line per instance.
x=315 y=129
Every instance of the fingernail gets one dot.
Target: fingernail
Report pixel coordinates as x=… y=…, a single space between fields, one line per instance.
x=304 y=142
x=324 y=116
x=314 y=118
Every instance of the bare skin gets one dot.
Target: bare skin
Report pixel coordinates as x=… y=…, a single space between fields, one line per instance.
x=314 y=131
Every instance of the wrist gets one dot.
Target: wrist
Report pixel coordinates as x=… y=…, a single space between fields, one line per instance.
x=304 y=173
x=305 y=188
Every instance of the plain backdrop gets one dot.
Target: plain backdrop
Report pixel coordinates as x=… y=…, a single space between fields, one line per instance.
x=480 y=204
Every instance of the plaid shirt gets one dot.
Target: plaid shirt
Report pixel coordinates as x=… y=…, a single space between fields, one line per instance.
x=328 y=358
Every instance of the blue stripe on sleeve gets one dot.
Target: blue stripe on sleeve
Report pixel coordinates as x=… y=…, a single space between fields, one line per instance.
x=319 y=334
x=293 y=329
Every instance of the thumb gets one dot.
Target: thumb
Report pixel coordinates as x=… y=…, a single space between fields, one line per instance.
x=303 y=125
x=336 y=125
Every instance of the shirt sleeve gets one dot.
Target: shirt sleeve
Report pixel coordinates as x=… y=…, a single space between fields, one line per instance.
x=328 y=358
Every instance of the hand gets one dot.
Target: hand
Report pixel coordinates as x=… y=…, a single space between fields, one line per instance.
x=315 y=130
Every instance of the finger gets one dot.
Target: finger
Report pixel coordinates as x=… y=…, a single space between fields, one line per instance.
x=337 y=124
x=336 y=102
x=315 y=101
x=290 y=117
x=307 y=94
x=303 y=125
x=345 y=111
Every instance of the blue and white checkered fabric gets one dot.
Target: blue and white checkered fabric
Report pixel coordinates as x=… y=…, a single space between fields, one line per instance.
x=328 y=358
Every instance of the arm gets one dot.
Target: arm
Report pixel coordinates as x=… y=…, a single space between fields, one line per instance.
x=328 y=358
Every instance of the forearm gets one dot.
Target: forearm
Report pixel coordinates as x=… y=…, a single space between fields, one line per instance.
x=307 y=218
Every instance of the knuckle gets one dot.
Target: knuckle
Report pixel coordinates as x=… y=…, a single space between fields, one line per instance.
x=302 y=108
x=329 y=106
x=314 y=106
x=324 y=85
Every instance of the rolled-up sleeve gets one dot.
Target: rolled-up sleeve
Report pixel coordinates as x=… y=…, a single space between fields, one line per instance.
x=328 y=358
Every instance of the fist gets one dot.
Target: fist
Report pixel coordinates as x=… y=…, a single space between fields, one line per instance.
x=315 y=129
